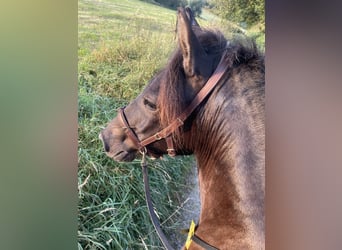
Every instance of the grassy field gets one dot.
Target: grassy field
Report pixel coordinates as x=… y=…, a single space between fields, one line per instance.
x=121 y=45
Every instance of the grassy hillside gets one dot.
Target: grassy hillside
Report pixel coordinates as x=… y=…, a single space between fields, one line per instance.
x=122 y=43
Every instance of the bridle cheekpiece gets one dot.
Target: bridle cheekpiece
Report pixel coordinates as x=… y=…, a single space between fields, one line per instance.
x=166 y=133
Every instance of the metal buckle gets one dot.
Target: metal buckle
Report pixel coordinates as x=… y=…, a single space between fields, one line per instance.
x=143 y=151
x=171 y=152
x=157 y=136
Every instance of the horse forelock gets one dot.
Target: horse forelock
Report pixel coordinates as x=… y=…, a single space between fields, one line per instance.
x=171 y=101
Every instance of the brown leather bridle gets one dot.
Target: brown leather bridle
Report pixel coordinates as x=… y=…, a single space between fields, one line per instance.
x=166 y=133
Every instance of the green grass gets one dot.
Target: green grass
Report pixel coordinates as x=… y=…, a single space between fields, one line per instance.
x=122 y=44
x=112 y=211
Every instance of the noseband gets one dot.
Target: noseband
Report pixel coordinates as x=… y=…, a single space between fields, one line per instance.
x=166 y=133
x=163 y=134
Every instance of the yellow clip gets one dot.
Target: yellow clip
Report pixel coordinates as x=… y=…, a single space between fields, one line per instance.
x=190 y=234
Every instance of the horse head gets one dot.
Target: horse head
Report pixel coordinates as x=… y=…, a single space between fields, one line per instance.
x=167 y=94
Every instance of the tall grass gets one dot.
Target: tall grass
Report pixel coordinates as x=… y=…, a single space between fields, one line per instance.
x=112 y=211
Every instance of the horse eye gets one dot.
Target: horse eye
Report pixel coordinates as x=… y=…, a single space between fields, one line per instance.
x=150 y=105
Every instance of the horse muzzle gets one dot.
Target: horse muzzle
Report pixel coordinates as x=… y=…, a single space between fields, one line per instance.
x=116 y=149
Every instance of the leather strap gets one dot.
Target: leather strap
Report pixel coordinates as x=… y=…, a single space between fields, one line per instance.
x=153 y=216
x=201 y=95
x=170 y=148
x=130 y=132
x=202 y=243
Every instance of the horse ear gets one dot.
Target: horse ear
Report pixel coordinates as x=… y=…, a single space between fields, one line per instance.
x=191 y=17
x=192 y=50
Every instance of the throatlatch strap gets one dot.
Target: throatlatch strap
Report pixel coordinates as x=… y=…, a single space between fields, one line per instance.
x=170 y=148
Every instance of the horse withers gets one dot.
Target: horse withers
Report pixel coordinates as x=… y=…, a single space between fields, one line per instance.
x=225 y=131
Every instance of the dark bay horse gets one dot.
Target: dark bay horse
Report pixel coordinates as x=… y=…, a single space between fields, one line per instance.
x=225 y=131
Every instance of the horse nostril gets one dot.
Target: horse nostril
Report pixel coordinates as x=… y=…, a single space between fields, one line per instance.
x=105 y=145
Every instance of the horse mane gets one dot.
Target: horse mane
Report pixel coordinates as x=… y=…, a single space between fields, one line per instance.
x=172 y=94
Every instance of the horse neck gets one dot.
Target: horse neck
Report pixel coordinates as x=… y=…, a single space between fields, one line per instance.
x=230 y=154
